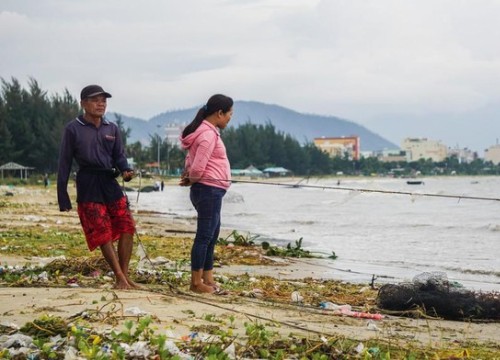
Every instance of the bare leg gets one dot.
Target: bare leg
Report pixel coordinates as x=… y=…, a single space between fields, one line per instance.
x=109 y=253
x=197 y=284
x=208 y=278
x=125 y=246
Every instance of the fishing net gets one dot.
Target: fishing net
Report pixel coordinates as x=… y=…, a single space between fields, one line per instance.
x=434 y=295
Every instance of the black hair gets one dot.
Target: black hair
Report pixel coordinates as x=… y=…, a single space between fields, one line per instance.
x=215 y=103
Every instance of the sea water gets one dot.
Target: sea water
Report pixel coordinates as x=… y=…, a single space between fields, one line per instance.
x=377 y=227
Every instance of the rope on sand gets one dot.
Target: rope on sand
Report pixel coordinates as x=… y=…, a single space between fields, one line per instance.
x=186 y=296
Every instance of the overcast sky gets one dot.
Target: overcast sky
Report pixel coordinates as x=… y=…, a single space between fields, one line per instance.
x=423 y=68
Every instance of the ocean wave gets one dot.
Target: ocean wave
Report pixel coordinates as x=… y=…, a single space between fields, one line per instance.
x=298 y=222
x=234 y=198
x=245 y=214
x=475 y=271
x=494 y=227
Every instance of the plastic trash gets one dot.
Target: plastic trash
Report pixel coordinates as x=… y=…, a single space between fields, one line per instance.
x=346 y=309
x=327 y=305
x=371 y=326
x=71 y=354
x=296 y=297
x=173 y=349
x=43 y=276
x=139 y=349
x=231 y=351
x=9 y=324
x=17 y=341
x=136 y=311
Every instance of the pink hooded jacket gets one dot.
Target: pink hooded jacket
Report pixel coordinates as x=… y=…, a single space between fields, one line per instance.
x=207 y=158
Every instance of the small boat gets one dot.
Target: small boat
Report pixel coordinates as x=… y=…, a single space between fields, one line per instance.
x=414 y=182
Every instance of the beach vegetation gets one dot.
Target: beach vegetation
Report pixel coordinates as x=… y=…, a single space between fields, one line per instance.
x=295 y=251
x=140 y=334
x=102 y=330
x=142 y=338
x=333 y=256
x=238 y=239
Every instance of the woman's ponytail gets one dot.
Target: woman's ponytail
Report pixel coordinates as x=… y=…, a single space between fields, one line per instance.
x=215 y=103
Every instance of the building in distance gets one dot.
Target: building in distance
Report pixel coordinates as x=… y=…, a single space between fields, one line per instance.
x=423 y=148
x=493 y=154
x=463 y=155
x=173 y=132
x=393 y=156
x=345 y=146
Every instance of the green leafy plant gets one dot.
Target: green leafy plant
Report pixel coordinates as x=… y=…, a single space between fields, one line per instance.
x=238 y=239
x=258 y=334
x=141 y=331
x=289 y=251
x=46 y=349
x=333 y=256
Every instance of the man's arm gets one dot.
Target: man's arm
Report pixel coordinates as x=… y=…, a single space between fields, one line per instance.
x=64 y=169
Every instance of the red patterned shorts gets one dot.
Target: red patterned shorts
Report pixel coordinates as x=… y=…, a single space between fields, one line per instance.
x=103 y=223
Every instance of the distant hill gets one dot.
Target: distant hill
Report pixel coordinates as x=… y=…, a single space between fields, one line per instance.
x=303 y=127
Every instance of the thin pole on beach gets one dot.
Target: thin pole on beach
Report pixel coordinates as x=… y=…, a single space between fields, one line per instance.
x=143 y=248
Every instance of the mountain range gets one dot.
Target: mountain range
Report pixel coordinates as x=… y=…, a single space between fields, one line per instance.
x=303 y=127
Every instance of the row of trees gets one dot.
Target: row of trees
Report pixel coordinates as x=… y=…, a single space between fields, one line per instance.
x=263 y=146
x=31 y=124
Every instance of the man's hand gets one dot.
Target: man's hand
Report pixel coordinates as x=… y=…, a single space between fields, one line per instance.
x=127 y=175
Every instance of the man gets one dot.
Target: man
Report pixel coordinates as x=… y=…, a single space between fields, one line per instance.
x=97 y=148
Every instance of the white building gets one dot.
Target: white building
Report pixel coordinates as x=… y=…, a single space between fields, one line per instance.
x=492 y=154
x=423 y=148
x=463 y=155
x=173 y=132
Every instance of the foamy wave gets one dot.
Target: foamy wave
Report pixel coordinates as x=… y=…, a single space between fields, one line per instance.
x=476 y=271
x=494 y=227
x=299 y=222
x=234 y=198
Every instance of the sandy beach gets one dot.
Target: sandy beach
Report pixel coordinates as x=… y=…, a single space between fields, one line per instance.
x=179 y=310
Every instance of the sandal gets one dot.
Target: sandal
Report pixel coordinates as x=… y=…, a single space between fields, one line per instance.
x=220 y=291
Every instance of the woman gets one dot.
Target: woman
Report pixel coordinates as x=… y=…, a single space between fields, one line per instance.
x=207 y=171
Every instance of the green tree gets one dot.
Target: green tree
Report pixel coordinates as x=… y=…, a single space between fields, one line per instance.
x=6 y=143
x=125 y=132
x=31 y=124
x=64 y=107
x=16 y=120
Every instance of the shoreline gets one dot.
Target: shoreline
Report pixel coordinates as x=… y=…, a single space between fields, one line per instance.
x=169 y=224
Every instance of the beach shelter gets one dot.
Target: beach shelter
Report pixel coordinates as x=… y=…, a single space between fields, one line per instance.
x=276 y=171
x=252 y=171
x=14 y=167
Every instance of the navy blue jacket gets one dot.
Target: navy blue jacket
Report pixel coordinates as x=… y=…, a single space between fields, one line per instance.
x=93 y=149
